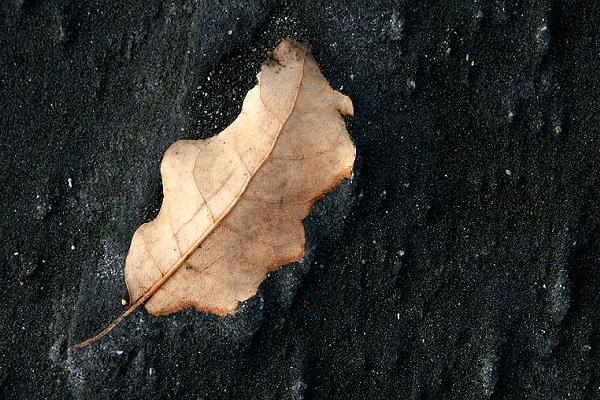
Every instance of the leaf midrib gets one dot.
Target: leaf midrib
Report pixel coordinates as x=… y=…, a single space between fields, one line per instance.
x=173 y=269
x=234 y=203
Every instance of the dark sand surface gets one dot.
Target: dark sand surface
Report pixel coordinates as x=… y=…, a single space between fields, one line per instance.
x=462 y=262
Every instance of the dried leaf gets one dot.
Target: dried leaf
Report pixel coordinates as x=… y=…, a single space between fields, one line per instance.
x=234 y=203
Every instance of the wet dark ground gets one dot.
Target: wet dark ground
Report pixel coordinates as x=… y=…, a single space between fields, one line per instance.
x=465 y=263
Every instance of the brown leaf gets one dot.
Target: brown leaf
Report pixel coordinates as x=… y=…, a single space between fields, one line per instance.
x=234 y=203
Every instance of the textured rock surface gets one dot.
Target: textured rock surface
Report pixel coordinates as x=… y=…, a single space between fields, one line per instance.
x=467 y=265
